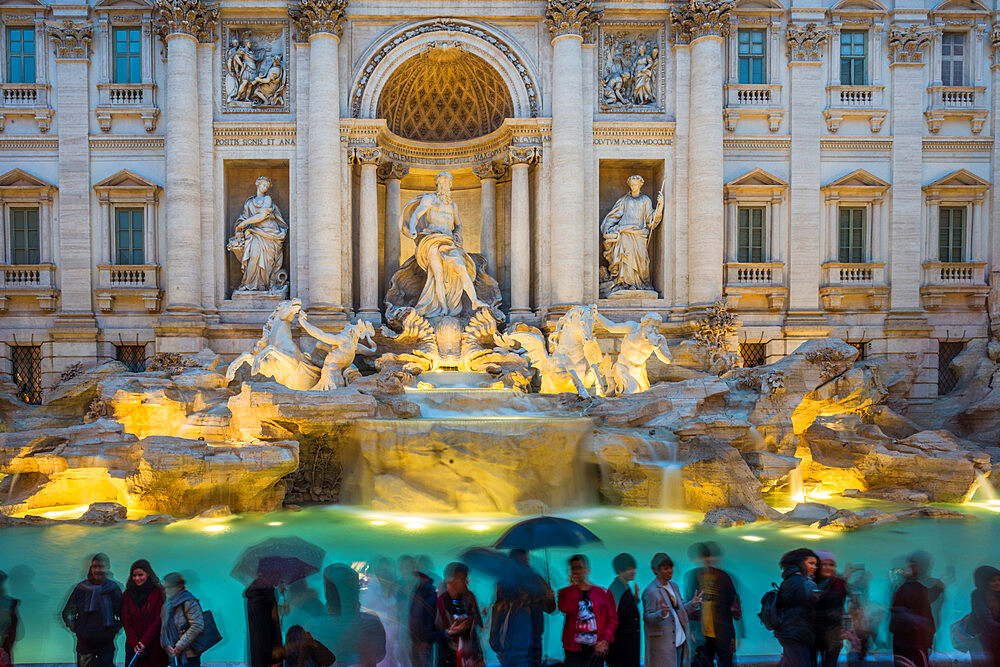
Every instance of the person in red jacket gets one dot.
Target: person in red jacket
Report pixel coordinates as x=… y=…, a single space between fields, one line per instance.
x=591 y=617
x=142 y=605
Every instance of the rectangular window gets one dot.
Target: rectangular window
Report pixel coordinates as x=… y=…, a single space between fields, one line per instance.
x=128 y=55
x=25 y=243
x=129 y=236
x=751 y=55
x=854 y=57
x=750 y=233
x=133 y=356
x=852 y=236
x=951 y=234
x=953 y=58
x=26 y=371
x=947 y=377
x=20 y=55
x=753 y=354
x=862 y=348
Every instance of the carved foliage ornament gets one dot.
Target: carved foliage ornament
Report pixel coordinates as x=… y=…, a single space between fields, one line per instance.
x=572 y=17
x=995 y=42
x=906 y=46
x=493 y=170
x=318 y=16
x=392 y=171
x=72 y=40
x=190 y=17
x=805 y=44
x=700 y=18
x=366 y=156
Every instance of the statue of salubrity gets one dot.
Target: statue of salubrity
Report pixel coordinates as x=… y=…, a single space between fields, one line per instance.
x=257 y=242
x=626 y=230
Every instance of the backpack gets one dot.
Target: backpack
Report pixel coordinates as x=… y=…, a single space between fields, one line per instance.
x=770 y=618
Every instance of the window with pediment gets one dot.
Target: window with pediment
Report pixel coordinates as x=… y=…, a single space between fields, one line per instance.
x=27 y=218
x=954 y=210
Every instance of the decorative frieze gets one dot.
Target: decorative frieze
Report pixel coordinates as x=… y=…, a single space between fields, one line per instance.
x=255 y=67
x=633 y=134
x=189 y=17
x=72 y=40
x=700 y=18
x=572 y=17
x=805 y=43
x=907 y=45
x=630 y=67
x=312 y=17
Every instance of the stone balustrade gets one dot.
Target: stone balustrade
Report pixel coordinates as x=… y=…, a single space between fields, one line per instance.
x=866 y=102
x=954 y=283
x=957 y=102
x=127 y=99
x=26 y=99
x=756 y=285
x=29 y=280
x=134 y=281
x=854 y=285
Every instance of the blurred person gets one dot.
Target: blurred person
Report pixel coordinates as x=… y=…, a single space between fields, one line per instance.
x=404 y=592
x=713 y=627
x=142 y=608
x=923 y=565
x=911 y=620
x=459 y=620
x=626 y=646
x=828 y=622
x=93 y=612
x=510 y=627
x=860 y=631
x=797 y=607
x=354 y=636
x=424 y=633
x=590 y=616
x=183 y=621
x=541 y=605
x=263 y=622
x=302 y=650
x=665 y=616
x=985 y=616
x=8 y=623
x=380 y=597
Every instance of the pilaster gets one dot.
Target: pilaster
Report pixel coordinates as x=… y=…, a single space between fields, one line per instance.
x=520 y=158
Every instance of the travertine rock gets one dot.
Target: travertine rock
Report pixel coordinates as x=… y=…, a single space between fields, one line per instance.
x=103 y=514
x=674 y=399
x=71 y=398
x=843 y=520
x=726 y=517
x=715 y=475
x=808 y=513
x=635 y=468
x=264 y=410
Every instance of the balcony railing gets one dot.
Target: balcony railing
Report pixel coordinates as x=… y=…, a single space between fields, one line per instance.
x=29 y=280
x=25 y=94
x=753 y=95
x=740 y=274
x=954 y=273
x=855 y=97
x=850 y=275
x=127 y=94
x=957 y=97
x=128 y=280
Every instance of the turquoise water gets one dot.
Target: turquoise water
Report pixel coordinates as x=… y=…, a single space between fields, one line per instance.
x=45 y=562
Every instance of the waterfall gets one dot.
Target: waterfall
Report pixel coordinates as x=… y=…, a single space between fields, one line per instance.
x=796 y=489
x=984 y=486
x=671 y=477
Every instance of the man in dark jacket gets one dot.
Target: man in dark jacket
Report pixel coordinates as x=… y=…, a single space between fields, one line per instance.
x=714 y=624
x=94 y=614
x=544 y=604
x=796 y=607
x=424 y=633
x=263 y=623
x=625 y=650
x=911 y=620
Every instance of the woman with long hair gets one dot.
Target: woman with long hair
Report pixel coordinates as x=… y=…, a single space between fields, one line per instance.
x=142 y=606
x=797 y=607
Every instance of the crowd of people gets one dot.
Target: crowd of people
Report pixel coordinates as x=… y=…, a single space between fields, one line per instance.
x=389 y=619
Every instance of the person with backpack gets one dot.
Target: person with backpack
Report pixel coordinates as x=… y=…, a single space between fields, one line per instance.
x=790 y=610
x=183 y=622
x=94 y=614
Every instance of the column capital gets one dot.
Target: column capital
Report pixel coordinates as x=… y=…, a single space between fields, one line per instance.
x=572 y=17
x=907 y=45
x=366 y=156
x=805 y=43
x=700 y=18
x=312 y=17
x=72 y=40
x=995 y=43
x=526 y=155
x=187 y=17
x=392 y=171
x=494 y=170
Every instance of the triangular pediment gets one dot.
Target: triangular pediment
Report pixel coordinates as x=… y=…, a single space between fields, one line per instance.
x=859 y=179
x=123 y=4
x=963 y=178
x=126 y=179
x=23 y=4
x=750 y=5
x=759 y=178
x=18 y=178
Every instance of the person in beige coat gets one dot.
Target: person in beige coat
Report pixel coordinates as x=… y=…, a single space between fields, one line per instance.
x=665 y=616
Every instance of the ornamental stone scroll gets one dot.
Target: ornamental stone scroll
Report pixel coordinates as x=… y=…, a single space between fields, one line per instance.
x=572 y=17
x=189 y=17
x=700 y=18
x=805 y=43
x=907 y=45
x=312 y=17
x=72 y=40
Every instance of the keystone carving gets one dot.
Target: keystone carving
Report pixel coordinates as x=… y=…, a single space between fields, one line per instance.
x=190 y=17
x=805 y=43
x=700 y=18
x=572 y=17
x=312 y=17
x=906 y=46
x=72 y=40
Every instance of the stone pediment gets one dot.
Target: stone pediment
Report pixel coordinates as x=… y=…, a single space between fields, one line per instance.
x=759 y=5
x=18 y=178
x=963 y=6
x=858 y=179
x=858 y=6
x=23 y=4
x=123 y=4
x=961 y=182
x=126 y=179
x=757 y=178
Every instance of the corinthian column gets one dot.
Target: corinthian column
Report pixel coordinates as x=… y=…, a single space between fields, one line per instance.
x=569 y=21
x=181 y=23
x=320 y=22
x=391 y=173
x=520 y=158
x=703 y=25
x=368 y=158
x=488 y=173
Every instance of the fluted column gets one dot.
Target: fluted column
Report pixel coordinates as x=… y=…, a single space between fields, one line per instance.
x=320 y=22
x=569 y=21
x=520 y=158
x=703 y=25
x=181 y=23
x=993 y=231
x=368 y=159
x=391 y=173
x=488 y=173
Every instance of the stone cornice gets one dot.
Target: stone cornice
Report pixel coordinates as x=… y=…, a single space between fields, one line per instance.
x=907 y=45
x=633 y=134
x=572 y=17
x=313 y=17
x=700 y=18
x=187 y=17
x=805 y=43
x=72 y=40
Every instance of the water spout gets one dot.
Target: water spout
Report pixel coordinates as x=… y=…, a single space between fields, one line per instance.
x=985 y=488
x=796 y=488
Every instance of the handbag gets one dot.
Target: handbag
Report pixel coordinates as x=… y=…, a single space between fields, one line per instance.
x=209 y=637
x=961 y=637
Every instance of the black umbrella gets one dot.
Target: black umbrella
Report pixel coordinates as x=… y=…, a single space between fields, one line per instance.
x=511 y=575
x=299 y=557
x=545 y=532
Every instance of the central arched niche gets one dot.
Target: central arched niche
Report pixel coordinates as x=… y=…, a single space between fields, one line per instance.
x=444 y=94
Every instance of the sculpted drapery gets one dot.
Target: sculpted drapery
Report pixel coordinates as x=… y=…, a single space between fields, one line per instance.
x=626 y=230
x=258 y=240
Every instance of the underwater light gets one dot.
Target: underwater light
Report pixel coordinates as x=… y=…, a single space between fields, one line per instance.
x=679 y=525
x=379 y=522
x=55 y=514
x=812 y=536
x=415 y=526
x=479 y=526
x=275 y=523
x=752 y=538
x=214 y=528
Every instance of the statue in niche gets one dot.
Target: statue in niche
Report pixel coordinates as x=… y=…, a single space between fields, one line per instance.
x=629 y=74
x=441 y=279
x=257 y=242
x=253 y=76
x=639 y=341
x=626 y=230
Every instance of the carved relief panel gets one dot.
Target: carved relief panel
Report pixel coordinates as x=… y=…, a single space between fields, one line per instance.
x=254 y=68
x=630 y=67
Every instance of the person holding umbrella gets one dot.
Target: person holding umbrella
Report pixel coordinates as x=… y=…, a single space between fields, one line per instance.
x=591 y=618
x=263 y=621
x=142 y=605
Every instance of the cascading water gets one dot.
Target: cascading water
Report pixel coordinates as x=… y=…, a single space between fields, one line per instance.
x=985 y=489
x=796 y=487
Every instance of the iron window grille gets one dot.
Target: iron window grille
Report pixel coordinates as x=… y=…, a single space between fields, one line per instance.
x=133 y=356
x=26 y=371
x=753 y=354
x=947 y=377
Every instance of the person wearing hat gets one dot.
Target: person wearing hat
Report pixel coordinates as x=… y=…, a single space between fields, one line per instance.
x=665 y=616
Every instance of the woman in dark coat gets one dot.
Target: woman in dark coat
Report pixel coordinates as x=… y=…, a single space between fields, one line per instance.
x=625 y=650
x=912 y=621
x=142 y=606
x=828 y=626
x=986 y=614
x=797 y=608
x=263 y=623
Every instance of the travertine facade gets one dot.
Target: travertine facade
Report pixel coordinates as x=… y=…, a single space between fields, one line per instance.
x=829 y=169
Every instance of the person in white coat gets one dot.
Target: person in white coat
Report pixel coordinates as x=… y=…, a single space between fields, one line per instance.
x=665 y=616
